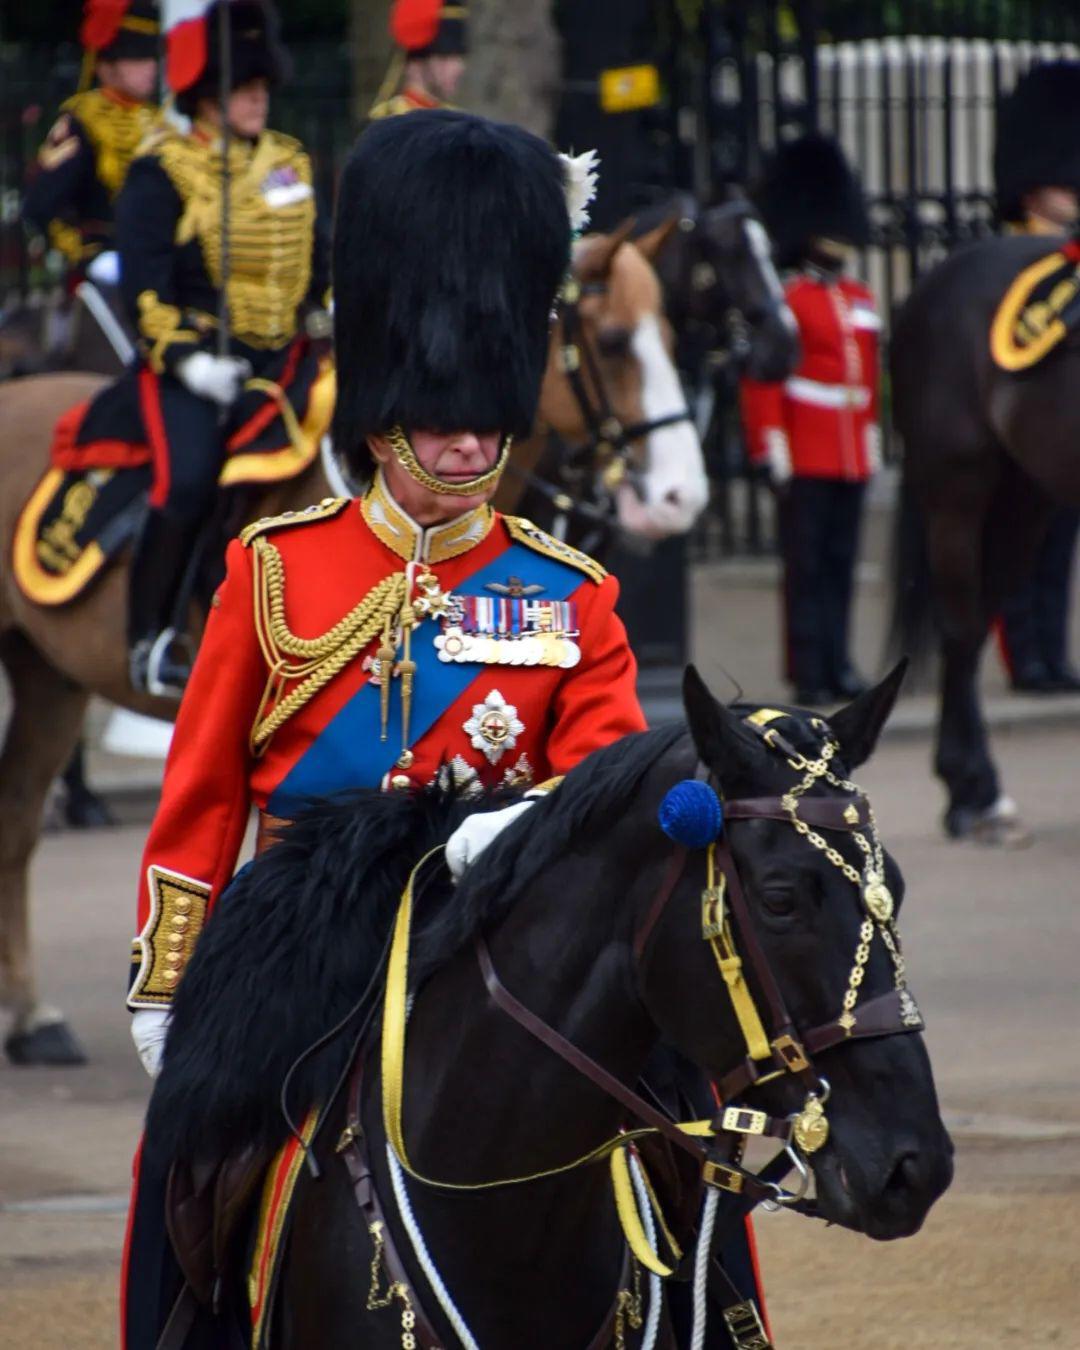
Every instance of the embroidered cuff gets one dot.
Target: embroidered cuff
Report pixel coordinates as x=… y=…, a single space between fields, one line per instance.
x=163 y=948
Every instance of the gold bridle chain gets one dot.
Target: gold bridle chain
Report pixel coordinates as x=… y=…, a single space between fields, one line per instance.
x=871 y=880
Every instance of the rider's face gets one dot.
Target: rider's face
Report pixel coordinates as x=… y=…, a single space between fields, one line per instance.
x=133 y=79
x=454 y=457
x=443 y=75
x=249 y=106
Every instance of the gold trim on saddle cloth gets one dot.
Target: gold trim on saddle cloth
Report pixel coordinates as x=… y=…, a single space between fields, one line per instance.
x=277 y=1196
x=1024 y=330
x=41 y=586
x=177 y=914
x=274 y=466
x=395 y=528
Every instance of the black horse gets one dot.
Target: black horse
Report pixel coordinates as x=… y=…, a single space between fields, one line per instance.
x=987 y=454
x=594 y=918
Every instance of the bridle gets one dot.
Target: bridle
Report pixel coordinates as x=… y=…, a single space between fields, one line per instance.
x=609 y=441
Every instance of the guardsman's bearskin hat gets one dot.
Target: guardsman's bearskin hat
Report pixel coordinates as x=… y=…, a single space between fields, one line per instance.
x=451 y=240
x=1038 y=136
x=256 y=52
x=429 y=27
x=808 y=191
x=120 y=30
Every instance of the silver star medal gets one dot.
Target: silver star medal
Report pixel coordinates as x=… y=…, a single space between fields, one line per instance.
x=494 y=727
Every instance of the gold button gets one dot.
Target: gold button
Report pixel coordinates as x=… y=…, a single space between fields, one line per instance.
x=401 y=780
x=175 y=940
x=179 y=922
x=183 y=905
x=171 y=976
x=173 y=958
x=406 y=759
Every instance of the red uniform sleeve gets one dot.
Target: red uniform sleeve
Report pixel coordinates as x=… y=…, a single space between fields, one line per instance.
x=193 y=844
x=597 y=702
x=762 y=409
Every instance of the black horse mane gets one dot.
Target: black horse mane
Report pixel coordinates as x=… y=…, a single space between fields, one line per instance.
x=303 y=930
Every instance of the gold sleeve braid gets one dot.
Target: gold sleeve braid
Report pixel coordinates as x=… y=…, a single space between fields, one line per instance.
x=177 y=913
x=160 y=326
x=312 y=661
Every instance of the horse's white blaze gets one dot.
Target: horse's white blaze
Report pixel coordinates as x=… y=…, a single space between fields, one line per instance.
x=758 y=240
x=676 y=488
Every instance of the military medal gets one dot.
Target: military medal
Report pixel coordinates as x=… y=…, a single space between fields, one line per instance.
x=513 y=630
x=494 y=727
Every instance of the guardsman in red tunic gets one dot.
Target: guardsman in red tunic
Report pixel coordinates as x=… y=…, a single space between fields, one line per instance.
x=1037 y=179
x=818 y=432
x=432 y=42
x=84 y=161
x=413 y=634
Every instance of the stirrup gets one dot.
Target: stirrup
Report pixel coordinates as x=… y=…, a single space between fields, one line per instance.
x=168 y=664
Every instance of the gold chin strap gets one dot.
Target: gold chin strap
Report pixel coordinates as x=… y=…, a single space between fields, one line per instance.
x=406 y=457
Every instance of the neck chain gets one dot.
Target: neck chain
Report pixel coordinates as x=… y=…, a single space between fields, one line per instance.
x=406 y=457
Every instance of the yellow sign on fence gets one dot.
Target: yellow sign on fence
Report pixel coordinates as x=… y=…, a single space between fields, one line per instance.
x=628 y=87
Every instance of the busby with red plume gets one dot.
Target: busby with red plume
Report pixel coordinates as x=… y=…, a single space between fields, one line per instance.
x=1037 y=142
x=810 y=191
x=452 y=237
x=120 y=30
x=193 y=55
x=429 y=27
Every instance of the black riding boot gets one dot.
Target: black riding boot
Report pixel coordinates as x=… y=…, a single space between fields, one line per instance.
x=160 y=661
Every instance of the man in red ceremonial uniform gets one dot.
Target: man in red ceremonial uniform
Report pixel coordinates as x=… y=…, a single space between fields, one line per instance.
x=817 y=432
x=432 y=42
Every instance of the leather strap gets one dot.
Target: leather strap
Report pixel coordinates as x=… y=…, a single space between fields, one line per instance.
x=885 y=1015
x=849 y=812
x=182 y=1318
x=268 y=831
x=672 y=876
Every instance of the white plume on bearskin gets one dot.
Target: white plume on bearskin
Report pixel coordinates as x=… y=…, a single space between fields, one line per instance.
x=581 y=174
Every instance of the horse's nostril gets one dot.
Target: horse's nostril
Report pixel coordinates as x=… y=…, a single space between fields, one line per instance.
x=906 y=1173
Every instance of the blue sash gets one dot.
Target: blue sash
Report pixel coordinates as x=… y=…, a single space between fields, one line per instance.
x=348 y=752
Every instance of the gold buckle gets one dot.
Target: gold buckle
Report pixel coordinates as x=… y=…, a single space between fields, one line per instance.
x=745 y=1327
x=791 y=1052
x=712 y=910
x=723 y=1177
x=742 y=1120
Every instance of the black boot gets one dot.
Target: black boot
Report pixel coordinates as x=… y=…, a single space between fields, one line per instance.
x=160 y=659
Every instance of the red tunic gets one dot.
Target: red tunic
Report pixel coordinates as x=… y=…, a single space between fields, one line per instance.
x=825 y=416
x=331 y=560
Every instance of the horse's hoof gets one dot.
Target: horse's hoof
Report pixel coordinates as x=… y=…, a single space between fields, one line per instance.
x=997 y=826
x=51 y=1043
x=87 y=811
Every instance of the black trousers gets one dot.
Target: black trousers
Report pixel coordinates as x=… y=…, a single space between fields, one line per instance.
x=819 y=539
x=1035 y=620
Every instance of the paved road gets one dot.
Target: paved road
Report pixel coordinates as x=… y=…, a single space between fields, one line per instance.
x=992 y=942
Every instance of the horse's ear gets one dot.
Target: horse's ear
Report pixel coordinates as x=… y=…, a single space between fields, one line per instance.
x=600 y=249
x=858 y=726
x=723 y=743
x=652 y=242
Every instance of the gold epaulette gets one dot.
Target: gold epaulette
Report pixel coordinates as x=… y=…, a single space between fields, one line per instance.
x=392 y=107
x=324 y=510
x=532 y=536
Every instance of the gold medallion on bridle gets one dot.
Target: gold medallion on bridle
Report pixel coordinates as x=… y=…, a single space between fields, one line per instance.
x=878 y=900
x=810 y=1128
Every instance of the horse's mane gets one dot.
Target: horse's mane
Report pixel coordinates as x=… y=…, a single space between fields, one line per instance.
x=303 y=929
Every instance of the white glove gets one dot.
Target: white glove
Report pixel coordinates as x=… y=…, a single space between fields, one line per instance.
x=473 y=835
x=778 y=456
x=873 y=447
x=218 y=378
x=105 y=268
x=149 y=1027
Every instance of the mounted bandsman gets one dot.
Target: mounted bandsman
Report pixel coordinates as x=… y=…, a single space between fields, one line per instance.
x=86 y=156
x=226 y=362
x=413 y=636
x=431 y=37
x=1037 y=181
x=817 y=432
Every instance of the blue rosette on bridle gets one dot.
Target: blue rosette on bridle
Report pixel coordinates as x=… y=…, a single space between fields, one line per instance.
x=691 y=814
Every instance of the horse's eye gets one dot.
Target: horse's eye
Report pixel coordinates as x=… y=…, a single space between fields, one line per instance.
x=613 y=341
x=778 y=901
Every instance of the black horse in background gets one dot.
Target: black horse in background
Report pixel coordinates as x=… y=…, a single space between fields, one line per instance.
x=593 y=918
x=987 y=456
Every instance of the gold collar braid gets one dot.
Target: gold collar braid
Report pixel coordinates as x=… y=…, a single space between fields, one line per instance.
x=406 y=457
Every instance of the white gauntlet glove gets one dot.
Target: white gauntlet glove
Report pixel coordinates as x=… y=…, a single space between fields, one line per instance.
x=778 y=456
x=149 y=1027
x=473 y=835
x=217 y=378
x=105 y=268
x=873 y=447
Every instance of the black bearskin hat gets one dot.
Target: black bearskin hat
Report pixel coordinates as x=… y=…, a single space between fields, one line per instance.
x=809 y=190
x=117 y=31
x=1038 y=136
x=256 y=52
x=429 y=27
x=452 y=237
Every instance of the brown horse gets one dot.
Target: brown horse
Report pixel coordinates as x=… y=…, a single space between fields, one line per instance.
x=986 y=455
x=56 y=659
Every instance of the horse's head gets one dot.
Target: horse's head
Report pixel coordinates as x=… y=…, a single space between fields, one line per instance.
x=611 y=388
x=727 y=282
x=805 y=899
